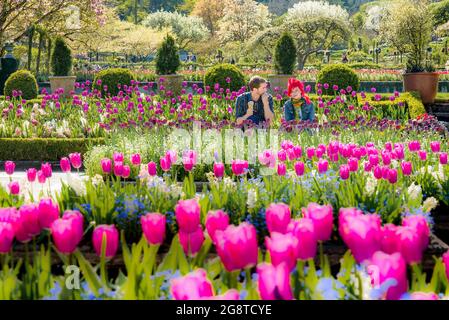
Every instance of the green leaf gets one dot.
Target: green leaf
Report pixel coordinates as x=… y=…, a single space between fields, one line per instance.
x=89 y=273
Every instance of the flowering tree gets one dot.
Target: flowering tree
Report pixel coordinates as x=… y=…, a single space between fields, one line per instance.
x=211 y=11
x=242 y=19
x=17 y=16
x=185 y=29
x=316 y=25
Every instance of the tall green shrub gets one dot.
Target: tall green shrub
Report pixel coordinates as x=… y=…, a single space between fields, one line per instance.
x=285 y=55
x=167 y=60
x=61 y=58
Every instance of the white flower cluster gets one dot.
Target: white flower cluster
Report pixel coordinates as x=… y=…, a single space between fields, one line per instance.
x=414 y=191
x=370 y=186
x=252 y=198
x=429 y=204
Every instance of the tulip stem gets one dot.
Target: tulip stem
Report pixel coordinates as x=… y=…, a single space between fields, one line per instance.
x=249 y=283
x=321 y=255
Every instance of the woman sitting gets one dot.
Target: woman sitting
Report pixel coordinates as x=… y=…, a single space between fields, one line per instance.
x=299 y=106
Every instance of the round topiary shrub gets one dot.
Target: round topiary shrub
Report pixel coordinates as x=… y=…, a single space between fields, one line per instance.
x=340 y=75
x=227 y=75
x=111 y=78
x=61 y=59
x=23 y=81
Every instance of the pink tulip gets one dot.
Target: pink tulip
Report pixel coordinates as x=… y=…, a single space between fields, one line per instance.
x=443 y=158
x=191 y=242
x=31 y=174
x=304 y=230
x=153 y=227
x=216 y=220
x=291 y=154
x=192 y=286
x=422 y=155
x=353 y=164
x=75 y=160
x=435 y=146
x=165 y=164
x=9 y=167
x=399 y=153
x=231 y=294
x=377 y=172
x=188 y=215
x=344 y=171
x=392 y=176
x=110 y=233
x=362 y=234
x=386 y=157
x=274 y=282
x=446 y=263
x=282 y=169
x=373 y=159
x=65 y=233
x=322 y=217
x=310 y=152
x=406 y=167
x=135 y=159
x=239 y=167
x=367 y=166
x=126 y=171
x=118 y=169
x=6 y=237
x=389 y=240
x=78 y=222
x=46 y=170
x=152 y=169
x=118 y=157
x=106 y=165
x=323 y=165
x=29 y=218
x=384 y=267
x=282 y=248
x=410 y=244
x=299 y=168
x=48 y=212
x=219 y=169
x=298 y=151
x=388 y=146
x=419 y=224
x=64 y=163
x=14 y=188
x=282 y=155
x=278 y=217
x=237 y=246
x=171 y=157
x=385 y=172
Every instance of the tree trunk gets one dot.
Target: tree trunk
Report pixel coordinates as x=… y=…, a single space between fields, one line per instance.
x=38 y=59
x=301 y=61
x=30 y=47
x=48 y=54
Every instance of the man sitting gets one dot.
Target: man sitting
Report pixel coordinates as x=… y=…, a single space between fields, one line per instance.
x=256 y=105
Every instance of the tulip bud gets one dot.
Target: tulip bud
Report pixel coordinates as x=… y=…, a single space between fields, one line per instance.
x=282 y=169
x=443 y=158
x=135 y=159
x=31 y=174
x=64 y=163
x=75 y=160
x=106 y=165
x=188 y=215
x=9 y=167
x=153 y=227
x=299 y=168
x=14 y=188
x=219 y=169
x=111 y=236
x=278 y=217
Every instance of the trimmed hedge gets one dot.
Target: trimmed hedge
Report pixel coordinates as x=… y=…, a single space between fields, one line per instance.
x=340 y=75
x=43 y=149
x=112 y=78
x=220 y=72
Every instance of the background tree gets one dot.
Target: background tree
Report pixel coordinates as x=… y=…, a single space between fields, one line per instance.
x=211 y=11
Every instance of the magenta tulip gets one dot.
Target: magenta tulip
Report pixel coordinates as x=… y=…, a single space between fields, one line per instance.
x=323 y=165
x=216 y=220
x=118 y=169
x=188 y=215
x=165 y=163
x=299 y=168
x=31 y=174
x=106 y=165
x=389 y=239
x=135 y=159
x=353 y=164
x=384 y=267
x=118 y=157
x=419 y=224
x=446 y=263
x=310 y=152
x=48 y=212
x=282 y=155
x=274 y=282
x=322 y=217
x=435 y=146
x=410 y=244
x=111 y=236
x=219 y=169
x=29 y=218
x=304 y=230
x=443 y=158
x=278 y=217
x=282 y=169
x=126 y=171
x=282 y=248
x=46 y=170
x=64 y=163
x=75 y=160
x=377 y=172
x=422 y=155
x=239 y=167
x=9 y=167
x=171 y=156
x=191 y=242
x=392 y=176
x=153 y=227
x=6 y=237
x=152 y=169
x=192 y=286
x=78 y=223
x=406 y=167
x=237 y=246
x=14 y=188
x=65 y=235
x=344 y=171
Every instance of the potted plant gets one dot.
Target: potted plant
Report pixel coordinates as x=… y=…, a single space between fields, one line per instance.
x=61 y=64
x=409 y=25
x=284 y=62
x=167 y=64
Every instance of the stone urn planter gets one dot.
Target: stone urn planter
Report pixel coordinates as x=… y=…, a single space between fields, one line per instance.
x=171 y=82
x=426 y=83
x=279 y=80
x=67 y=83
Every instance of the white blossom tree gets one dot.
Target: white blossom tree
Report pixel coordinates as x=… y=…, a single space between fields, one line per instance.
x=185 y=29
x=316 y=25
x=242 y=19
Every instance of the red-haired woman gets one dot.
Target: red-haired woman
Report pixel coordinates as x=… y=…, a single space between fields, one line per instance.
x=299 y=106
